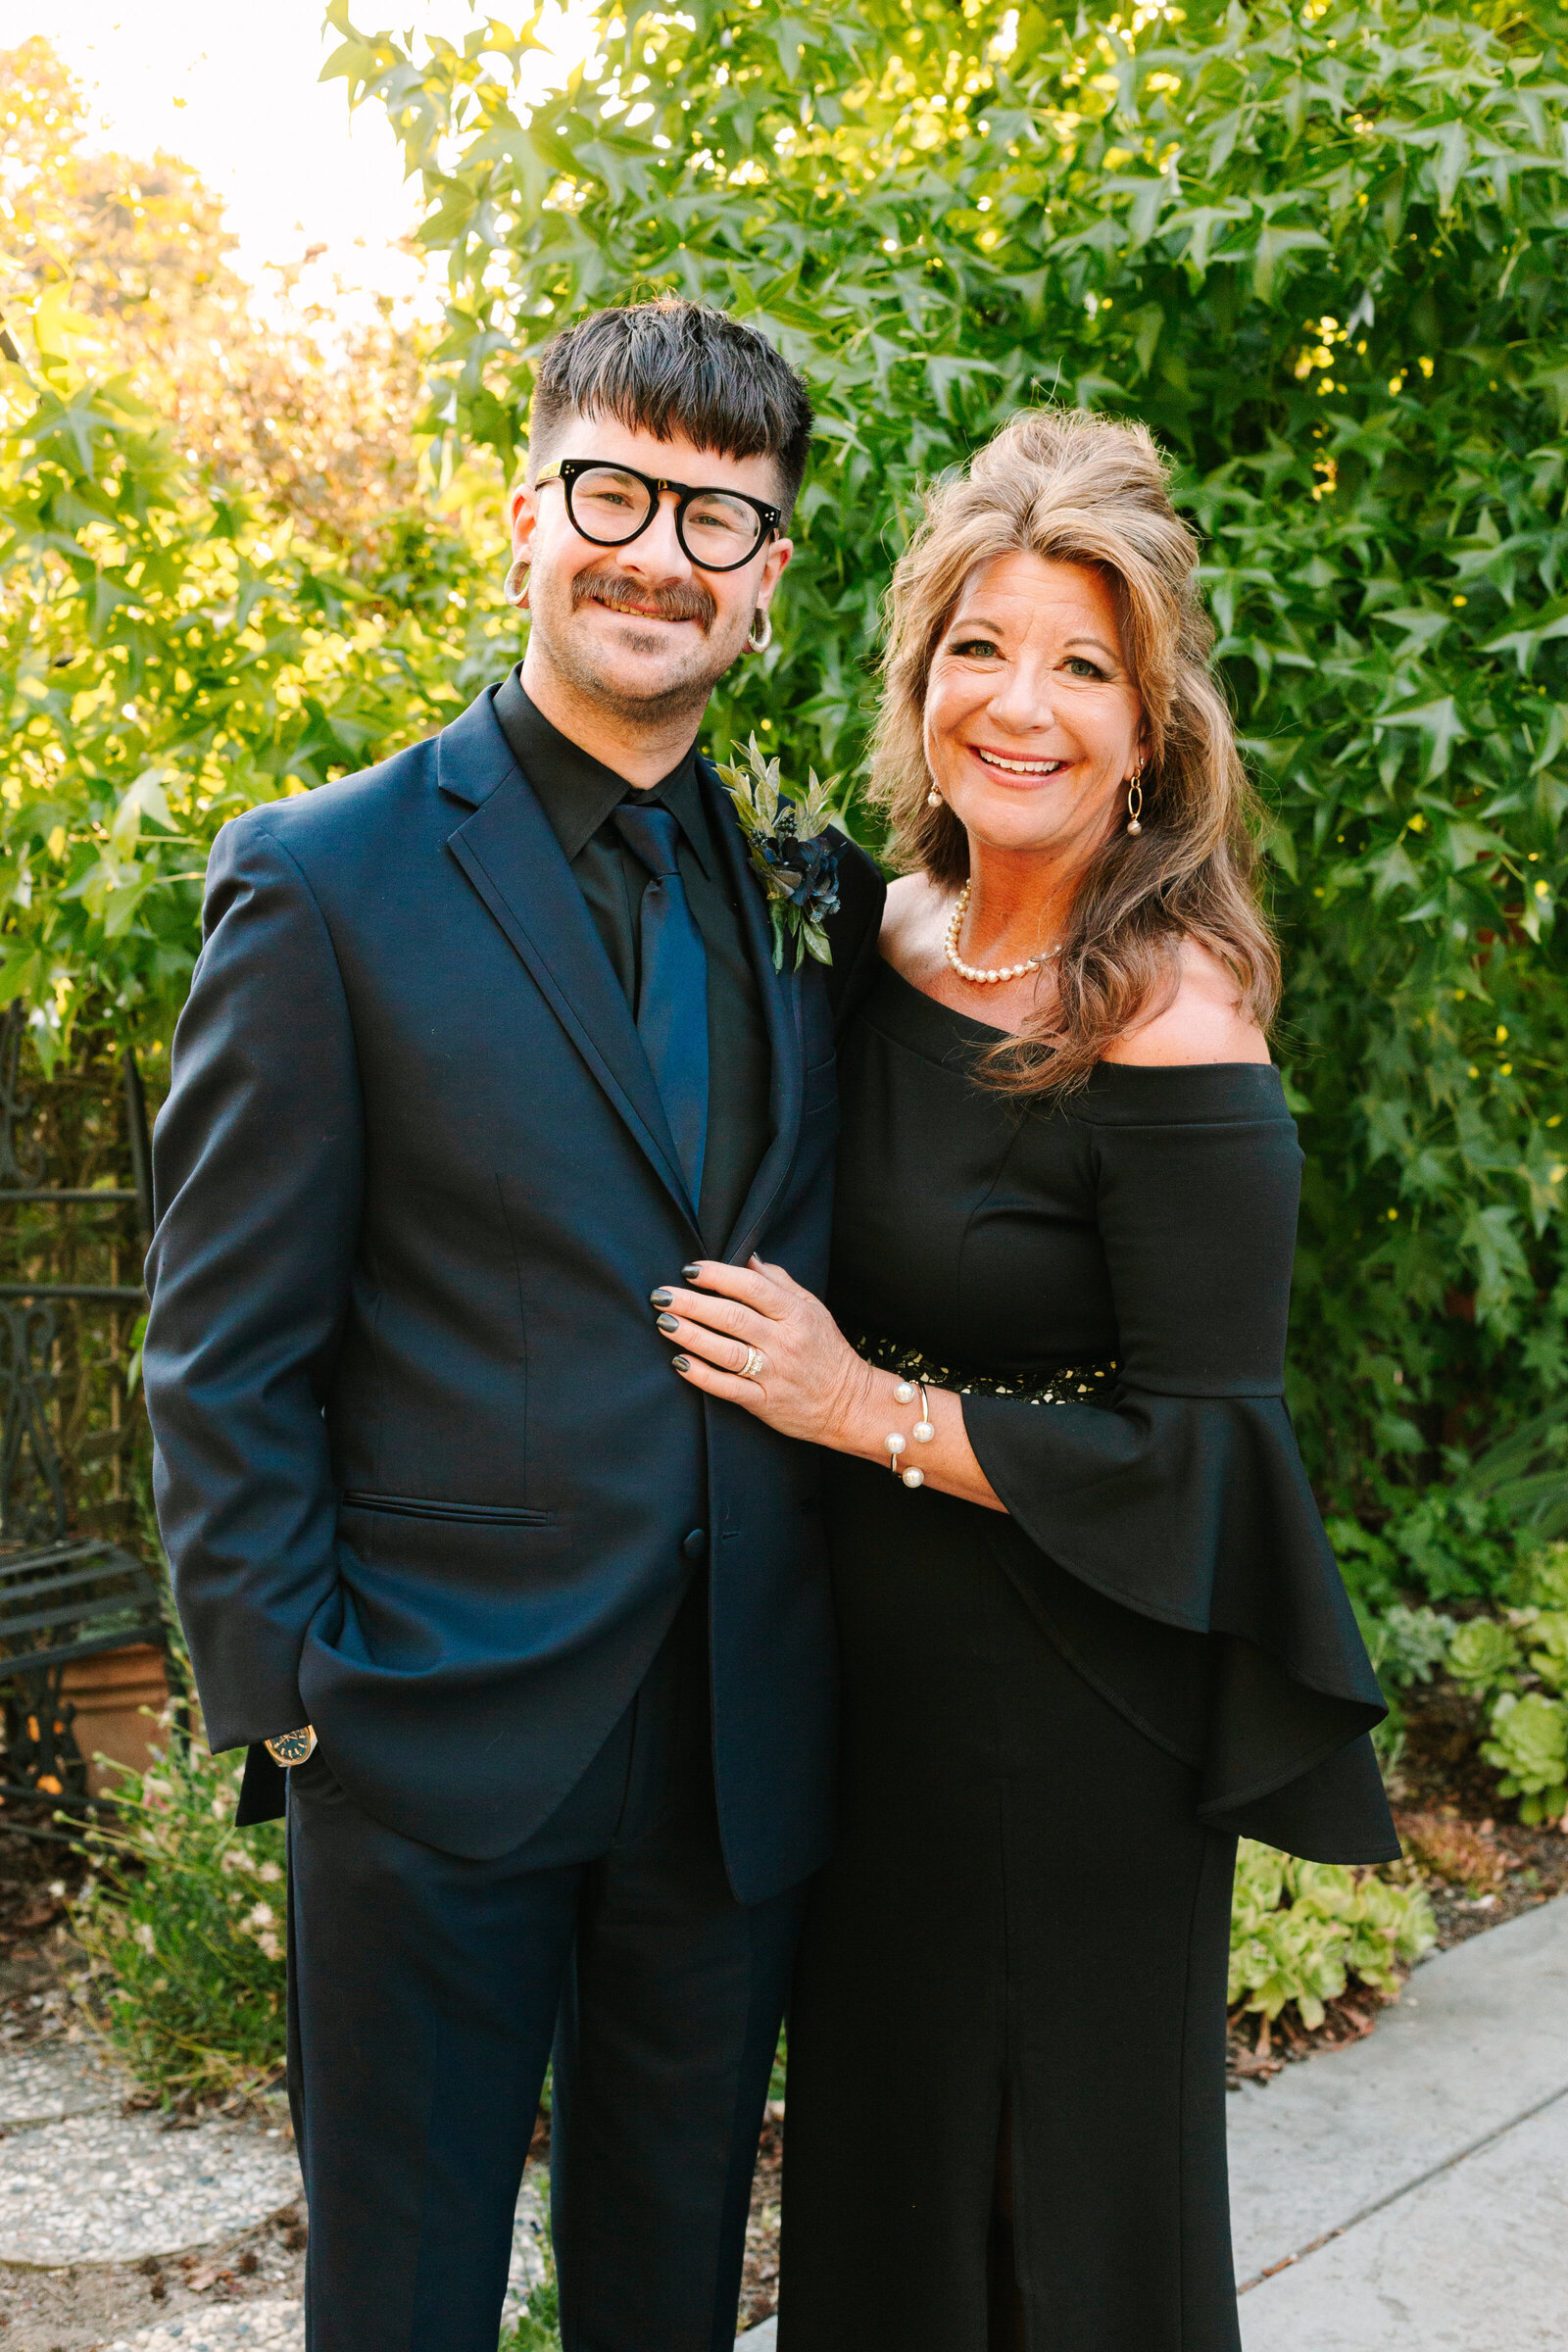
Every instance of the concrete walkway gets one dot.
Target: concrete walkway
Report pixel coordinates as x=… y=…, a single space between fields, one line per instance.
x=1410 y=2193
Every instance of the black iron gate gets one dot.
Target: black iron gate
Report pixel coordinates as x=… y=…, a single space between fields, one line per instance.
x=72 y=1437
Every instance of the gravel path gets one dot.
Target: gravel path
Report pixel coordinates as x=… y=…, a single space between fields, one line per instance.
x=102 y=2205
x=118 y=2188
x=43 y=2081
x=245 y=2328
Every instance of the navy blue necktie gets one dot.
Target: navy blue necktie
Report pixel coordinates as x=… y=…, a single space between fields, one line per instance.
x=673 y=995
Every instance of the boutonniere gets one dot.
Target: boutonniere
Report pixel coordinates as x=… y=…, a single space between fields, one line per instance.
x=792 y=852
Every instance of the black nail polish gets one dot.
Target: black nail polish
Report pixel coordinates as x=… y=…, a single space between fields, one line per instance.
x=669 y=1322
x=661 y=1297
x=690 y=1273
x=682 y=1363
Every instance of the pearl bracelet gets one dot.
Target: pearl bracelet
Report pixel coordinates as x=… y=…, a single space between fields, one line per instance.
x=922 y=1433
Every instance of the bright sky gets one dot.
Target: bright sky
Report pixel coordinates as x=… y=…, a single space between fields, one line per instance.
x=234 y=90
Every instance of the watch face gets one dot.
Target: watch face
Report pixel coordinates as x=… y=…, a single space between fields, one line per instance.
x=293 y=1748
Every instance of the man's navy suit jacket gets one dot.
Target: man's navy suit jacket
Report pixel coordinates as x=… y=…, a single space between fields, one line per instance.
x=425 y=1476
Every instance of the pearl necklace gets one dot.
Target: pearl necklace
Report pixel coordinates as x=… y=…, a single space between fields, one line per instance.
x=973 y=972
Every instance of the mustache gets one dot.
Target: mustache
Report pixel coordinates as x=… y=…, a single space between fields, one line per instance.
x=677 y=599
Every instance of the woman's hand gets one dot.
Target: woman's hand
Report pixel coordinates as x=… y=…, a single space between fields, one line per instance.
x=805 y=1379
x=751 y=1335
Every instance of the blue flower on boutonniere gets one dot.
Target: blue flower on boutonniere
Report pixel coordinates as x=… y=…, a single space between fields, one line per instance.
x=792 y=851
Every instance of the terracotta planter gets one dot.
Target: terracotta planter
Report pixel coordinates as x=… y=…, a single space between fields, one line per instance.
x=109 y=1693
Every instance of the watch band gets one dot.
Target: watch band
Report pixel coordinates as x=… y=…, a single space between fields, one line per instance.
x=292 y=1748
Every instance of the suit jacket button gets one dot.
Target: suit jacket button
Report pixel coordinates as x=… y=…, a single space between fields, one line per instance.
x=696 y=1544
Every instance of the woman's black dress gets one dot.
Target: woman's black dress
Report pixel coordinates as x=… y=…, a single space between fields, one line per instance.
x=1056 y=1722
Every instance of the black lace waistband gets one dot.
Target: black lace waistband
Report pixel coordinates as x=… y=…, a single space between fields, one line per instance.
x=1071 y=1383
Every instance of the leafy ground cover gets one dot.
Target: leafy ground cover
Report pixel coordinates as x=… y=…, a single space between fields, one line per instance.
x=181 y=1920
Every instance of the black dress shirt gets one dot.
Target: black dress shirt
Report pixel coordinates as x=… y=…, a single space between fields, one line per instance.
x=579 y=797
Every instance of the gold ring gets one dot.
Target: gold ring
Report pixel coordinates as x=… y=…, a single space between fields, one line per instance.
x=755 y=1361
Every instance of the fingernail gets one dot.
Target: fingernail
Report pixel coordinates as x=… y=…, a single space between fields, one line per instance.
x=682 y=1363
x=690 y=1273
x=661 y=1297
x=669 y=1323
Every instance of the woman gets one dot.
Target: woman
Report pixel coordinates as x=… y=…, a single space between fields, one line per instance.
x=1091 y=1627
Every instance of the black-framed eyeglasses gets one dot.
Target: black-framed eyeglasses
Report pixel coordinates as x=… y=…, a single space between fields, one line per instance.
x=719 y=530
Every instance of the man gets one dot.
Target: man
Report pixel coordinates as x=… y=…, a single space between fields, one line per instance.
x=484 y=1046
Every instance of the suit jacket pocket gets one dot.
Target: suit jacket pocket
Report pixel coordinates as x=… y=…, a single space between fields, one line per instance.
x=471 y=1514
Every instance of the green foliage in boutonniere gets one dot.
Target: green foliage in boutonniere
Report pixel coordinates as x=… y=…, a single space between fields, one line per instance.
x=792 y=851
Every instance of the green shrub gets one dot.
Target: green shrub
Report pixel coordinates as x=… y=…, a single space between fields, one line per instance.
x=1529 y=1747
x=1484 y=1655
x=1545 y=1584
x=1302 y=1931
x=182 y=1919
x=1546 y=1641
x=1451 y=1542
x=539 y=2328
x=1408 y=1646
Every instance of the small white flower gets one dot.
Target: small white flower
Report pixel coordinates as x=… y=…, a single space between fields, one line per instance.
x=270 y=1945
x=57 y=1887
x=261 y=1915
x=220 y=1808
x=269 y=1874
x=143 y=1933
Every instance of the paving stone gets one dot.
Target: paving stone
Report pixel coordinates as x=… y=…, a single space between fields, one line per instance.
x=118 y=2188
x=280 y=2326
x=758 y=2339
x=1410 y=2194
x=1480 y=2038
x=43 y=2083
x=240 y=2327
x=1475 y=2260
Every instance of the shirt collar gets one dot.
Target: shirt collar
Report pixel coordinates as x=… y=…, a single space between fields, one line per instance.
x=578 y=793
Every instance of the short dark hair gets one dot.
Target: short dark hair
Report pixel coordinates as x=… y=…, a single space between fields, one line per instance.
x=673 y=367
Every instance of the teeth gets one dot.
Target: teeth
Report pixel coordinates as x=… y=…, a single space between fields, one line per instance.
x=1023 y=768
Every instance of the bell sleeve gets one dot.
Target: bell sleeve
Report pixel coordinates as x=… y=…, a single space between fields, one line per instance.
x=1172 y=1542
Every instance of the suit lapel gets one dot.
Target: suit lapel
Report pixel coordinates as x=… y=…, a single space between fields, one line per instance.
x=781 y=1007
x=515 y=862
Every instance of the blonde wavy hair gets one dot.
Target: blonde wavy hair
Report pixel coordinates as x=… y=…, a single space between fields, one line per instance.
x=1075 y=488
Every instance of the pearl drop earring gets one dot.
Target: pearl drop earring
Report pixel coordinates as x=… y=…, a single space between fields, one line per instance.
x=933 y=799
x=1135 y=800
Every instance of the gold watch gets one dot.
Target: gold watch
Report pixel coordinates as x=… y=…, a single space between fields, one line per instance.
x=292 y=1748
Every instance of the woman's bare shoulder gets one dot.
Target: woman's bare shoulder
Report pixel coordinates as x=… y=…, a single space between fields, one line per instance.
x=914 y=914
x=1203 y=1021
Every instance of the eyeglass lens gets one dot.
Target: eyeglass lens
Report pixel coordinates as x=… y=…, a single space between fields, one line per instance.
x=717 y=533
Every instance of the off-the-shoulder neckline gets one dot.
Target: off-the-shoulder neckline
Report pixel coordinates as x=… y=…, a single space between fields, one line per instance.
x=1102 y=1069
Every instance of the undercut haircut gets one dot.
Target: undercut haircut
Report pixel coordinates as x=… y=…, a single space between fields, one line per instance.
x=672 y=366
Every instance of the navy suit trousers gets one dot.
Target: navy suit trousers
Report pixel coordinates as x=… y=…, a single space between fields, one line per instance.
x=426 y=1990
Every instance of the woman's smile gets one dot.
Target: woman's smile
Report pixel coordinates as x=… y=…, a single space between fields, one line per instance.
x=1013 y=763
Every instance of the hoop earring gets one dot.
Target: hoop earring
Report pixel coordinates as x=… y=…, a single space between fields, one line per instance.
x=1135 y=800
x=514 y=587
x=756 y=643
x=933 y=799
